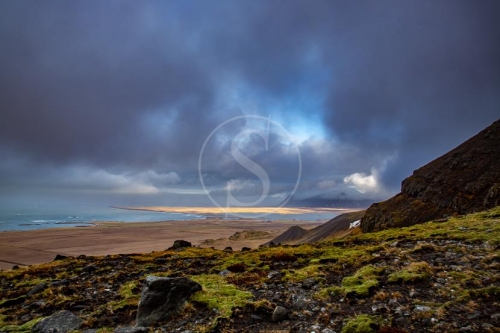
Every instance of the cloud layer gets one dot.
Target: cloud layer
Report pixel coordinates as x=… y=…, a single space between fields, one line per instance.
x=121 y=96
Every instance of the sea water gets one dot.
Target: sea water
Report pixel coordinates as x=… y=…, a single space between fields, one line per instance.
x=53 y=216
x=41 y=217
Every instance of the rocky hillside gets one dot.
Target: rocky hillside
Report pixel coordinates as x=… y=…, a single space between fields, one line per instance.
x=464 y=180
x=337 y=227
x=433 y=277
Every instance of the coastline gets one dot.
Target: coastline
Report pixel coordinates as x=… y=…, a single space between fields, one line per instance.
x=210 y=211
x=42 y=245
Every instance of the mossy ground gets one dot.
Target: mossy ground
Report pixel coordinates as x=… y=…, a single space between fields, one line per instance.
x=361 y=324
x=219 y=295
x=453 y=267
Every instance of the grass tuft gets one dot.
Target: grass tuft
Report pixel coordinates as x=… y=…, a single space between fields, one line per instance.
x=219 y=295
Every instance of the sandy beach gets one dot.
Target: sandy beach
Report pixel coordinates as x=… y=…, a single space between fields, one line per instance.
x=39 y=246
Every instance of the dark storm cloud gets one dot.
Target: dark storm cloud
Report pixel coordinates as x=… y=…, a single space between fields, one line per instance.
x=103 y=90
x=421 y=78
x=77 y=79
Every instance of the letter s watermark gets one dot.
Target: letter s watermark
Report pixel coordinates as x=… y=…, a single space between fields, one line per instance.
x=248 y=163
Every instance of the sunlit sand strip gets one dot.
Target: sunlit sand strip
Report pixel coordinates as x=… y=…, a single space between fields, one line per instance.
x=238 y=210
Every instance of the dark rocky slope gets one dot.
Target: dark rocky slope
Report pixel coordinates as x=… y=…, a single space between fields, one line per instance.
x=464 y=180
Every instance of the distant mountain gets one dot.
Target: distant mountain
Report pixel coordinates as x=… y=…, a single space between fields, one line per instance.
x=335 y=228
x=464 y=180
x=318 y=201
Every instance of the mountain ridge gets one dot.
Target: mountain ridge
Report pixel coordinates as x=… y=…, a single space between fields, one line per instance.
x=462 y=181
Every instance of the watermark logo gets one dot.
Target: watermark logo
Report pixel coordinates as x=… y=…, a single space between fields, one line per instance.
x=255 y=126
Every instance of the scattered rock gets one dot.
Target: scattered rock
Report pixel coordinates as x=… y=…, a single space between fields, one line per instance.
x=224 y=272
x=89 y=268
x=58 y=283
x=180 y=244
x=255 y=317
x=244 y=248
x=486 y=326
x=274 y=275
x=12 y=301
x=60 y=257
x=279 y=313
x=308 y=283
x=237 y=268
x=130 y=329
x=61 y=322
x=422 y=308
x=474 y=315
x=379 y=308
x=160 y=261
x=315 y=328
x=327 y=330
x=401 y=321
x=162 y=297
x=299 y=302
x=37 y=289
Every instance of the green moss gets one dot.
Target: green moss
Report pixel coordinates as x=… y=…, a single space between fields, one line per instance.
x=362 y=281
x=475 y=224
x=360 y=284
x=299 y=275
x=26 y=327
x=106 y=330
x=220 y=295
x=416 y=271
x=130 y=296
x=12 y=301
x=361 y=324
x=491 y=291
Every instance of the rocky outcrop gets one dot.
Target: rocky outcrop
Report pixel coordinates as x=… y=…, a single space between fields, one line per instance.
x=60 y=322
x=180 y=244
x=464 y=180
x=162 y=297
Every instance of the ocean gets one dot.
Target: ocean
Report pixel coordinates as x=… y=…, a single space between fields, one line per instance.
x=48 y=216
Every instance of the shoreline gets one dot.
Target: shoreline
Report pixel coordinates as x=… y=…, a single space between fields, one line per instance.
x=29 y=247
x=211 y=211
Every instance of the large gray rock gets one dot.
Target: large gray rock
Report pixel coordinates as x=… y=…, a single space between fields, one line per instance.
x=162 y=297
x=60 y=322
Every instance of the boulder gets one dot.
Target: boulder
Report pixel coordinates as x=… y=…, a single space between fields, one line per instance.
x=60 y=322
x=162 y=297
x=60 y=257
x=180 y=244
x=279 y=313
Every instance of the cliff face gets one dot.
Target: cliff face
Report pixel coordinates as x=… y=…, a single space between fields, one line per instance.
x=462 y=181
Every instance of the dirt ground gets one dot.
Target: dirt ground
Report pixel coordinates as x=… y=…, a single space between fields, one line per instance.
x=39 y=246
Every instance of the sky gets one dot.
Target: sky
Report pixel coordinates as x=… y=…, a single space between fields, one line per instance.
x=132 y=103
